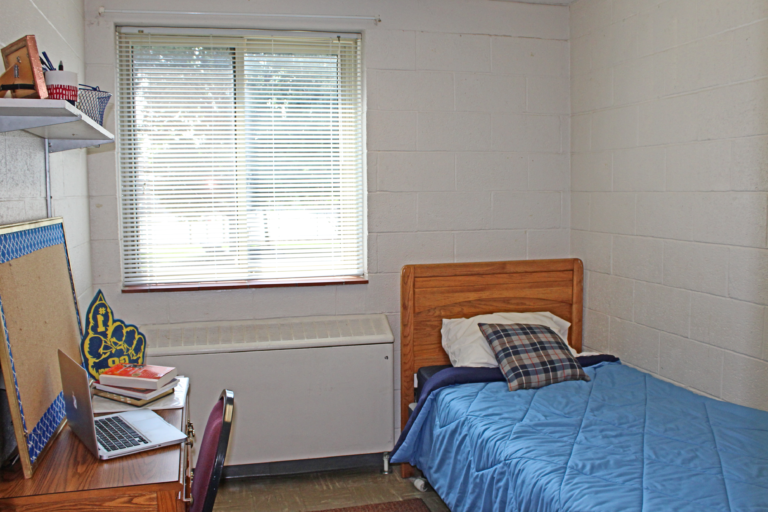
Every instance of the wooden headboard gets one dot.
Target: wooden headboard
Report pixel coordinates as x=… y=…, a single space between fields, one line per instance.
x=429 y=293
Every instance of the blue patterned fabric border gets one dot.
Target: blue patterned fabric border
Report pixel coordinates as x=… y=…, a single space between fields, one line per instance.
x=20 y=243
x=46 y=427
x=15 y=245
x=13 y=366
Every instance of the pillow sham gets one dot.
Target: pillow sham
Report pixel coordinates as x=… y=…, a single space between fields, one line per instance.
x=531 y=356
x=466 y=345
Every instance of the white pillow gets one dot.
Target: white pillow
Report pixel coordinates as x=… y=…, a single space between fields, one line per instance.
x=466 y=346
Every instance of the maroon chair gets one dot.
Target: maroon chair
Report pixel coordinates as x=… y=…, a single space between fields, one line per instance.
x=213 y=449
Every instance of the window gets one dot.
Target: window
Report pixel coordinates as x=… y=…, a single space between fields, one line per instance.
x=240 y=156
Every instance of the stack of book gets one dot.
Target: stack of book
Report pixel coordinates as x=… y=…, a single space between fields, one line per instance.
x=136 y=384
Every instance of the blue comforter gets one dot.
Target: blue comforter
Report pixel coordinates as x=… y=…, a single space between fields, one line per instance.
x=625 y=441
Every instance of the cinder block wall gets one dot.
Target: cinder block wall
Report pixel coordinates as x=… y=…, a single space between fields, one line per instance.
x=669 y=180
x=58 y=29
x=467 y=136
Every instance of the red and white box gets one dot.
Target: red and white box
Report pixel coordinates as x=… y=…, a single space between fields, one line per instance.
x=62 y=85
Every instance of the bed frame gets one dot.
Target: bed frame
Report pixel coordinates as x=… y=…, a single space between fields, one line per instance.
x=429 y=293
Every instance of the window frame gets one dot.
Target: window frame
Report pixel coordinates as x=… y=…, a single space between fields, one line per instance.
x=235 y=44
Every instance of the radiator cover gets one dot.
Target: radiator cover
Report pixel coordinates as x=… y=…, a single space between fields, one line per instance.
x=305 y=388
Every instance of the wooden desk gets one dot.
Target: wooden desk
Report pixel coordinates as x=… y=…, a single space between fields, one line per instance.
x=69 y=477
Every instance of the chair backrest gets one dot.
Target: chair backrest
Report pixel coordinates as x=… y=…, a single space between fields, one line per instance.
x=213 y=449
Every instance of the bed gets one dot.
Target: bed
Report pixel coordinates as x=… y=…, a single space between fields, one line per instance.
x=622 y=441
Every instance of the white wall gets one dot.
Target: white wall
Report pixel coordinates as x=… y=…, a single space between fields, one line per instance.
x=669 y=180
x=468 y=123
x=58 y=28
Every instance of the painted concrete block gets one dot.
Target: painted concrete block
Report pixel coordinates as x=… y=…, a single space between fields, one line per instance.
x=549 y=171
x=662 y=307
x=745 y=380
x=690 y=363
x=748 y=274
x=416 y=171
x=580 y=210
x=549 y=95
x=454 y=211
x=730 y=218
x=594 y=249
x=392 y=131
x=492 y=245
x=548 y=244
x=491 y=171
x=453 y=52
x=611 y=295
x=454 y=131
x=410 y=90
x=639 y=169
x=635 y=344
x=528 y=56
x=514 y=132
x=526 y=210
x=726 y=323
x=703 y=166
x=490 y=93
x=665 y=215
x=638 y=258
x=390 y=49
x=398 y=249
x=592 y=172
x=613 y=213
x=615 y=128
x=697 y=267
x=597 y=332
x=392 y=212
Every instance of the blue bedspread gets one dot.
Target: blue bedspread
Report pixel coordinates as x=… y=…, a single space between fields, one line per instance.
x=625 y=441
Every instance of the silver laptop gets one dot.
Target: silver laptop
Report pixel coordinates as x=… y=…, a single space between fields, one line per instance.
x=113 y=435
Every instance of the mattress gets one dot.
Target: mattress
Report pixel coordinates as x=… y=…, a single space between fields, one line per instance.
x=425 y=373
x=624 y=441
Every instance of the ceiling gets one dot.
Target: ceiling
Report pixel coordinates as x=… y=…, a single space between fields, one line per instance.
x=548 y=2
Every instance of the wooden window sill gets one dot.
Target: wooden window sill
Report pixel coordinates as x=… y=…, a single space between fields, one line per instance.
x=235 y=285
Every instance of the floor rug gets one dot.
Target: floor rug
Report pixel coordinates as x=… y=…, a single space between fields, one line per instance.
x=414 y=505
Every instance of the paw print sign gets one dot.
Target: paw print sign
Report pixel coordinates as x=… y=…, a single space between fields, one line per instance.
x=108 y=340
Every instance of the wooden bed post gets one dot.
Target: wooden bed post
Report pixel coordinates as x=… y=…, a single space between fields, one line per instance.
x=578 y=305
x=406 y=352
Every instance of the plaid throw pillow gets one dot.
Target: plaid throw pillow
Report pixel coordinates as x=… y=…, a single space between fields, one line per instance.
x=531 y=356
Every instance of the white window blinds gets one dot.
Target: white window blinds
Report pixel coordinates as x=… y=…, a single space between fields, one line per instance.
x=240 y=155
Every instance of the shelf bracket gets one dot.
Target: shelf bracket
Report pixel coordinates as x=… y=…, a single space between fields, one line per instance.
x=57 y=145
x=48 y=196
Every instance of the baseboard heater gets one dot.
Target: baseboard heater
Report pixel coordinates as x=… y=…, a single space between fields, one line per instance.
x=305 y=388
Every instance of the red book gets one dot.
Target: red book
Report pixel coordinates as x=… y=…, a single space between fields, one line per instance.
x=143 y=376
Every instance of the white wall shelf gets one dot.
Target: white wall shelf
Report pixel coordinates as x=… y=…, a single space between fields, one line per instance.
x=63 y=125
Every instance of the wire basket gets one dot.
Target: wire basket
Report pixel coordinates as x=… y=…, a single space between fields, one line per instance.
x=92 y=101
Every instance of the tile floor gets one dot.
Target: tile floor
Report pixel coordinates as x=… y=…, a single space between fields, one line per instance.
x=319 y=491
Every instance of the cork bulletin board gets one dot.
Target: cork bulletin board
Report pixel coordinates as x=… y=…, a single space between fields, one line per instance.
x=39 y=315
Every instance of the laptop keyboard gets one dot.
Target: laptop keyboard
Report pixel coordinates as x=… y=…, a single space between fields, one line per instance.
x=115 y=434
